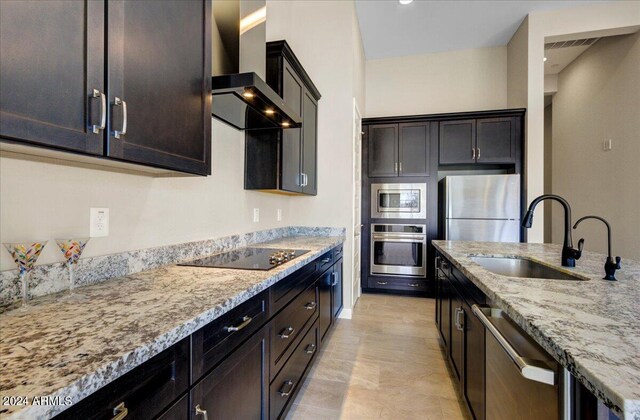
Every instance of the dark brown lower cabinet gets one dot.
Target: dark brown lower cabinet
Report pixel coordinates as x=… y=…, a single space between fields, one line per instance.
x=336 y=289
x=143 y=393
x=324 y=287
x=236 y=388
x=178 y=411
x=457 y=344
x=474 y=384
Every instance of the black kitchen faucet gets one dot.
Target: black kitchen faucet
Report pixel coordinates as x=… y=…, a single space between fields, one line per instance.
x=569 y=254
x=610 y=267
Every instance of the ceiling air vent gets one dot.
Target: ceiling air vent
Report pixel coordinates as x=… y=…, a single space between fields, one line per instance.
x=586 y=42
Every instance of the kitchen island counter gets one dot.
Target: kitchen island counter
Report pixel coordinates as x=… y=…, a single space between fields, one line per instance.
x=590 y=327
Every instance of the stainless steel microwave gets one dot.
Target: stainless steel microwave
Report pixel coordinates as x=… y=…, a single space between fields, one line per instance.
x=398 y=201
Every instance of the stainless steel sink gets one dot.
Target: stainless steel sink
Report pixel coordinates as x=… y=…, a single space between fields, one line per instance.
x=522 y=267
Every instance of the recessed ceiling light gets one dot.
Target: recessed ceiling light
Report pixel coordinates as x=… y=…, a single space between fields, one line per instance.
x=247 y=94
x=269 y=111
x=544 y=59
x=285 y=124
x=404 y=2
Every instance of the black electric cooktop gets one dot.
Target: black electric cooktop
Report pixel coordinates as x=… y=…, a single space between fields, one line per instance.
x=249 y=258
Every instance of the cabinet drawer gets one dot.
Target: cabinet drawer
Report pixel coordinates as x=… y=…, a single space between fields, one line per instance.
x=288 y=382
x=287 y=327
x=325 y=261
x=404 y=284
x=286 y=289
x=213 y=342
x=144 y=392
x=178 y=411
x=337 y=252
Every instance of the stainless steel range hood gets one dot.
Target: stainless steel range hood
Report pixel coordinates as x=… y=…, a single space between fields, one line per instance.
x=241 y=97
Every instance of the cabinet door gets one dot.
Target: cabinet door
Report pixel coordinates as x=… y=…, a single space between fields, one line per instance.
x=474 y=364
x=52 y=60
x=496 y=140
x=456 y=347
x=238 y=387
x=324 y=289
x=457 y=142
x=291 y=165
x=383 y=150
x=414 y=149
x=337 y=295
x=160 y=83
x=309 y=143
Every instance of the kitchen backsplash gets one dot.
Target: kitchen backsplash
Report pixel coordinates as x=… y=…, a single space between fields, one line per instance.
x=52 y=278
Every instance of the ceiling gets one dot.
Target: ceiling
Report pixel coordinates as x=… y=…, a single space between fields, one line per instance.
x=390 y=30
x=559 y=55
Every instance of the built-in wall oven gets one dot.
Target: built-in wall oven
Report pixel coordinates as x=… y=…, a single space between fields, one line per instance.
x=398 y=201
x=398 y=250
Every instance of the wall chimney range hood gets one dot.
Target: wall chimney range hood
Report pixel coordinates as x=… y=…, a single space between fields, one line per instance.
x=244 y=100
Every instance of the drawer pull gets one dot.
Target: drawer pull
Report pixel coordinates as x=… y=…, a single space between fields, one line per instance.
x=311 y=348
x=201 y=412
x=414 y=284
x=286 y=333
x=246 y=320
x=382 y=283
x=334 y=276
x=288 y=385
x=326 y=260
x=120 y=411
x=310 y=306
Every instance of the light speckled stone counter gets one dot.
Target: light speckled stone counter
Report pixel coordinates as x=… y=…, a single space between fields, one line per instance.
x=590 y=327
x=66 y=348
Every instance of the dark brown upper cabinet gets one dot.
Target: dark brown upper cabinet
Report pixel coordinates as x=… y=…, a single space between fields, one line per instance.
x=52 y=63
x=486 y=140
x=159 y=83
x=285 y=160
x=55 y=71
x=399 y=149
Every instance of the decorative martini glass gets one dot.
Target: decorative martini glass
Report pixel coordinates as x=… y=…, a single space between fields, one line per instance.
x=72 y=249
x=25 y=256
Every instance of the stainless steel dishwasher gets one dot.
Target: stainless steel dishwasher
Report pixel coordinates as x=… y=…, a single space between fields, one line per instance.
x=521 y=378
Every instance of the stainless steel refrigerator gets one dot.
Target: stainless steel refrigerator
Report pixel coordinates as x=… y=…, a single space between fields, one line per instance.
x=481 y=208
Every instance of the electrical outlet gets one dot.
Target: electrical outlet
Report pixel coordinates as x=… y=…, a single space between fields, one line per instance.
x=279 y=215
x=256 y=215
x=606 y=145
x=99 y=222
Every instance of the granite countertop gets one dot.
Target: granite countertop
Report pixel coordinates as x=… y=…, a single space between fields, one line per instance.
x=590 y=327
x=72 y=348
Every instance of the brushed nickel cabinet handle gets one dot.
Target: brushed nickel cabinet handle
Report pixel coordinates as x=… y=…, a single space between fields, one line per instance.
x=201 y=412
x=413 y=284
x=325 y=260
x=286 y=333
x=335 y=279
x=400 y=167
x=288 y=384
x=103 y=111
x=478 y=153
x=246 y=320
x=382 y=282
x=395 y=166
x=119 y=102
x=473 y=153
x=311 y=348
x=310 y=306
x=120 y=411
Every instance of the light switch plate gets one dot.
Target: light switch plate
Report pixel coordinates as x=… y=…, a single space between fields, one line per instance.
x=279 y=215
x=256 y=215
x=99 y=222
x=606 y=145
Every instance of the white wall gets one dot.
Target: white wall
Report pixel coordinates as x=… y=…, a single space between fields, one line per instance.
x=599 y=97
x=526 y=73
x=41 y=200
x=457 y=81
x=321 y=33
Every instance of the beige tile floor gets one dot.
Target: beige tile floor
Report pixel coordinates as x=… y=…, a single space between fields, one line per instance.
x=385 y=363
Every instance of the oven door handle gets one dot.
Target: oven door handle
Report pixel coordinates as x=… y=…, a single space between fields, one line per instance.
x=400 y=238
